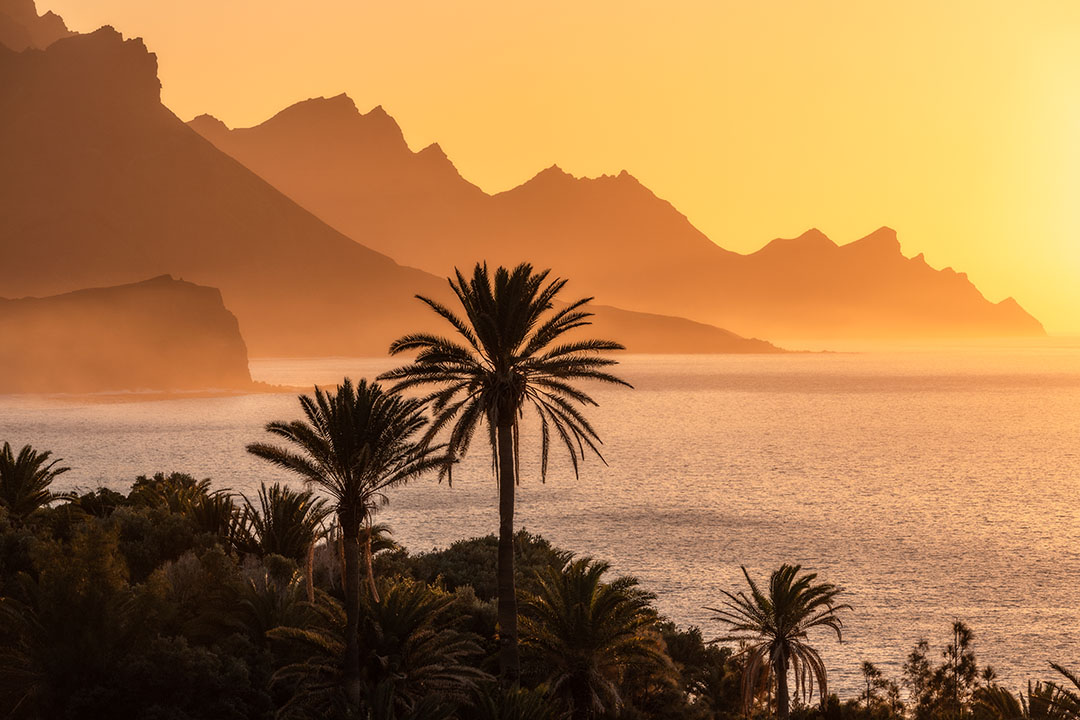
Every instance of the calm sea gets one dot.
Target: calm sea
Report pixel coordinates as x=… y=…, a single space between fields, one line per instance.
x=931 y=484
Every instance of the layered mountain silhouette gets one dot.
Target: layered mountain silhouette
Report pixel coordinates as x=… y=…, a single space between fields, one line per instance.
x=160 y=334
x=102 y=185
x=611 y=234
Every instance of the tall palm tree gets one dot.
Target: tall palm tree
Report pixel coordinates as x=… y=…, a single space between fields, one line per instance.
x=588 y=633
x=25 y=480
x=355 y=445
x=511 y=352
x=774 y=627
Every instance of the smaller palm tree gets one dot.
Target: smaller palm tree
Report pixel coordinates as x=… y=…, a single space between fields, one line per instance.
x=774 y=629
x=355 y=444
x=283 y=521
x=25 y=480
x=588 y=634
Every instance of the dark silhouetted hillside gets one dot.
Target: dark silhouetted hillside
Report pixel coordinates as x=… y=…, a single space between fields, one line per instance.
x=160 y=334
x=610 y=234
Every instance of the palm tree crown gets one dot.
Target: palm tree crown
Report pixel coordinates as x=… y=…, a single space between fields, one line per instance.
x=774 y=628
x=285 y=522
x=510 y=352
x=25 y=480
x=355 y=445
x=508 y=359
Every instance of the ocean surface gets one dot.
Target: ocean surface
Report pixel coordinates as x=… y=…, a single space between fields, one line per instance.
x=933 y=484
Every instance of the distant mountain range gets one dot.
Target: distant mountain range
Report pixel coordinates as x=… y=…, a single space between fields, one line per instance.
x=103 y=185
x=610 y=234
x=161 y=334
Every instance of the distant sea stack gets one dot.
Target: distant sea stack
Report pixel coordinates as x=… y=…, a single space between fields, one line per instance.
x=161 y=334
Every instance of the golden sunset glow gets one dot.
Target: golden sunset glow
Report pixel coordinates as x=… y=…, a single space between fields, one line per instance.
x=957 y=124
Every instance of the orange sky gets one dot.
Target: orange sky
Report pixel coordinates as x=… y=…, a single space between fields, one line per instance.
x=957 y=123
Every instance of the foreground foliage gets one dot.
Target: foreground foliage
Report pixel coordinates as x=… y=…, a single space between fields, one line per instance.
x=170 y=602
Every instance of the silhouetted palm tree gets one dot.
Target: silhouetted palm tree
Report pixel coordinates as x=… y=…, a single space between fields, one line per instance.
x=355 y=445
x=511 y=353
x=25 y=480
x=587 y=633
x=775 y=627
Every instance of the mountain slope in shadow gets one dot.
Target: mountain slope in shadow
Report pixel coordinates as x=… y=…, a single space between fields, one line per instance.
x=611 y=233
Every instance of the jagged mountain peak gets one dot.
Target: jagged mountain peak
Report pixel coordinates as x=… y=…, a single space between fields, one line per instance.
x=812 y=240
x=883 y=240
x=555 y=177
x=21 y=27
x=208 y=126
x=328 y=119
x=99 y=67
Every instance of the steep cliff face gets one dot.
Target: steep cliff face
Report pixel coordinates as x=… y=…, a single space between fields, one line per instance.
x=161 y=334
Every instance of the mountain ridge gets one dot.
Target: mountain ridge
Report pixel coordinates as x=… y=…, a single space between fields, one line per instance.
x=615 y=235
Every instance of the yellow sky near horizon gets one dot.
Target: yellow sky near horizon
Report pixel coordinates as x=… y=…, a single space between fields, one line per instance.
x=956 y=123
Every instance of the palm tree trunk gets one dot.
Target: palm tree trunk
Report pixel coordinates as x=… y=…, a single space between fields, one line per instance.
x=370 y=568
x=509 y=664
x=351 y=540
x=309 y=572
x=782 y=699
